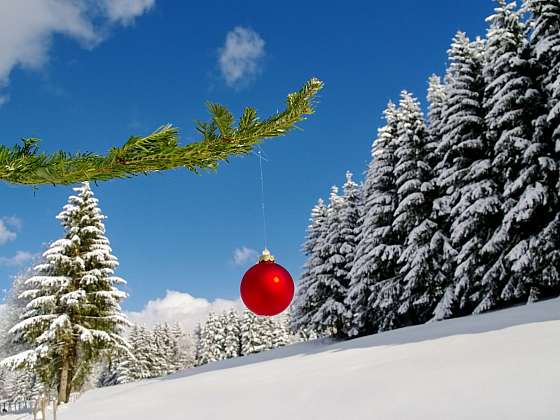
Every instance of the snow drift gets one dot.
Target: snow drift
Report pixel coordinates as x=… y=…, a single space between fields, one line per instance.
x=501 y=365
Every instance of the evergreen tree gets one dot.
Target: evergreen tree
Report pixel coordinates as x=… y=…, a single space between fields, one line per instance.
x=464 y=182
x=437 y=97
x=440 y=252
x=377 y=251
x=212 y=340
x=74 y=314
x=183 y=351
x=14 y=308
x=522 y=160
x=254 y=336
x=544 y=43
x=164 y=350
x=332 y=277
x=123 y=369
x=419 y=284
x=232 y=340
x=303 y=305
x=280 y=333
x=138 y=339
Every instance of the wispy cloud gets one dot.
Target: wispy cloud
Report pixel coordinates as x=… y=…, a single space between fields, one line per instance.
x=241 y=56
x=13 y=221
x=181 y=307
x=242 y=255
x=125 y=11
x=8 y=228
x=20 y=258
x=31 y=24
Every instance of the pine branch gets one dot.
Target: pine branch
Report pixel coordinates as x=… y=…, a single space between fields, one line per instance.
x=25 y=164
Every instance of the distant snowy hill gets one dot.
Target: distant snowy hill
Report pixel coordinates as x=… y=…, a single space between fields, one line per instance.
x=497 y=366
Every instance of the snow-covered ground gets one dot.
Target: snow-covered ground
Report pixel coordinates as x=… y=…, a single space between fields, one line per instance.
x=502 y=365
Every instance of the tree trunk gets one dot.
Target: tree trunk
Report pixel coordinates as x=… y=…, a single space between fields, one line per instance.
x=64 y=385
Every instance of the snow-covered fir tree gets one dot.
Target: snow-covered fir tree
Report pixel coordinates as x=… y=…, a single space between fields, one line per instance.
x=302 y=307
x=336 y=247
x=211 y=346
x=73 y=315
x=437 y=244
x=419 y=285
x=462 y=174
x=140 y=339
x=155 y=352
x=523 y=160
x=281 y=333
x=544 y=43
x=239 y=334
x=437 y=96
x=183 y=348
x=14 y=308
x=232 y=340
x=124 y=370
x=377 y=251
x=165 y=357
x=468 y=219
x=255 y=336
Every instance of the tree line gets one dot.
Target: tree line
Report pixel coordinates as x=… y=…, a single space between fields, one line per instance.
x=459 y=212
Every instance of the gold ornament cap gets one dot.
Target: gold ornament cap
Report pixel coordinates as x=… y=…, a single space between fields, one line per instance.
x=266 y=256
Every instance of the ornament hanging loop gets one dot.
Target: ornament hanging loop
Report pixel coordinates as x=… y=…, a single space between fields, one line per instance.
x=266 y=256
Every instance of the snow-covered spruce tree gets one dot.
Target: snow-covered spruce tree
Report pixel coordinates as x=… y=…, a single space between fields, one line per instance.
x=183 y=349
x=523 y=161
x=255 y=336
x=74 y=315
x=350 y=217
x=440 y=252
x=138 y=339
x=124 y=370
x=4 y=384
x=302 y=308
x=336 y=247
x=411 y=220
x=14 y=308
x=232 y=340
x=464 y=175
x=437 y=96
x=545 y=47
x=377 y=251
x=211 y=342
x=545 y=44
x=164 y=349
x=280 y=333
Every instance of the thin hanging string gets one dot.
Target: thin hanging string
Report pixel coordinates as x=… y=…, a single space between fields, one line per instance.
x=260 y=157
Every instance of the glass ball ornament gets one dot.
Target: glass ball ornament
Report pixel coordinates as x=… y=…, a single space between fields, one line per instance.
x=267 y=288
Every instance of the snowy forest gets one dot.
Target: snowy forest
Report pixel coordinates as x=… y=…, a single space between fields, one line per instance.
x=459 y=211
x=63 y=329
x=458 y=214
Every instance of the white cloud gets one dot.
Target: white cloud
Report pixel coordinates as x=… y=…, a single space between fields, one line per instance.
x=28 y=27
x=242 y=255
x=13 y=221
x=8 y=226
x=125 y=11
x=181 y=307
x=6 y=235
x=20 y=258
x=241 y=55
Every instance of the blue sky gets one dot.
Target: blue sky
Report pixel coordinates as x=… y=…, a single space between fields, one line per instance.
x=115 y=72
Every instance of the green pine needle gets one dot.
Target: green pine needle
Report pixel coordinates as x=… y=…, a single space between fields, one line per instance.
x=25 y=164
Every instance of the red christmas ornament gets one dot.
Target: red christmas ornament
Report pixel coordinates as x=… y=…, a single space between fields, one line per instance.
x=267 y=288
